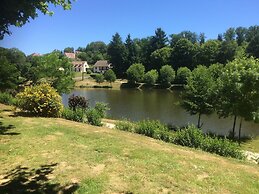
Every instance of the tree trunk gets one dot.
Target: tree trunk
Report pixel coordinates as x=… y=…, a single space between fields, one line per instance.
x=82 y=76
x=239 y=131
x=199 y=121
x=234 y=126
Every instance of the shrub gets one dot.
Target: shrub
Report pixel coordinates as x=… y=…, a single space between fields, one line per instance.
x=167 y=75
x=40 y=100
x=135 y=73
x=99 y=78
x=125 y=126
x=7 y=98
x=193 y=137
x=75 y=102
x=89 y=71
x=78 y=115
x=190 y=136
x=151 y=77
x=110 y=76
x=182 y=75
x=101 y=108
x=150 y=128
x=94 y=117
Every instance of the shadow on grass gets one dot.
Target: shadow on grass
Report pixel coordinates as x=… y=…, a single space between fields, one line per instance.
x=25 y=180
x=4 y=129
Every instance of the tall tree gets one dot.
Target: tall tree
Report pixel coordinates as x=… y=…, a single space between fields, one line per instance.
x=220 y=37
x=161 y=57
x=117 y=55
x=13 y=12
x=208 y=52
x=198 y=98
x=160 y=40
x=69 y=50
x=230 y=34
x=132 y=52
x=241 y=35
x=253 y=46
x=202 y=38
x=183 y=54
x=227 y=51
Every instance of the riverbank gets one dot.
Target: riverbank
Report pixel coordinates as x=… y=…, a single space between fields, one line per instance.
x=60 y=155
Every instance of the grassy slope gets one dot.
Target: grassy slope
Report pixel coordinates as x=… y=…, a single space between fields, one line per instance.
x=103 y=160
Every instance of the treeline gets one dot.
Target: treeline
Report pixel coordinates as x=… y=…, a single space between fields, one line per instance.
x=185 y=49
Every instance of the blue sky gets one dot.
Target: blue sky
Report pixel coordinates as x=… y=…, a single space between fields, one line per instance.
x=94 y=20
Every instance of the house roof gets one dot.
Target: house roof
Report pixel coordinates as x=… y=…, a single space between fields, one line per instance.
x=80 y=63
x=35 y=54
x=102 y=63
x=70 y=55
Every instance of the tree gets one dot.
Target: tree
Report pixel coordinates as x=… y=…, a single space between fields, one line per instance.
x=230 y=34
x=198 y=98
x=208 y=52
x=117 y=55
x=54 y=69
x=151 y=77
x=167 y=75
x=182 y=75
x=241 y=35
x=99 y=78
x=161 y=57
x=160 y=39
x=9 y=75
x=132 y=52
x=17 y=13
x=184 y=53
x=69 y=50
x=238 y=88
x=191 y=36
x=220 y=37
x=110 y=76
x=227 y=51
x=253 y=47
x=202 y=38
x=135 y=73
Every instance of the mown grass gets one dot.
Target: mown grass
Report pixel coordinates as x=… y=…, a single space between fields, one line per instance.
x=100 y=160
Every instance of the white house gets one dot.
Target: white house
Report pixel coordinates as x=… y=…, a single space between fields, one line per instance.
x=101 y=66
x=80 y=66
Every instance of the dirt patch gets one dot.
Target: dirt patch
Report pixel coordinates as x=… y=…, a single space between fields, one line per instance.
x=200 y=177
x=98 y=169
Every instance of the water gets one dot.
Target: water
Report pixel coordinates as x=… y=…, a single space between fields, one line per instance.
x=163 y=105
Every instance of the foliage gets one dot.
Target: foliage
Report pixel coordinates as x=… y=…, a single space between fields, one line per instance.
x=132 y=52
x=135 y=73
x=184 y=54
x=161 y=57
x=101 y=108
x=149 y=128
x=40 y=100
x=54 y=69
x=14 y=13
x=110 y=76
x=151 y=77
x=193 y=137
x=75 y=102
x=198 y=95
x=94 y=117
x=78 y=115
x=9 y=75
x=208 y=52
x=182 y=75
x=253 y=46
x=227 y=51
x=167 y=75
x=125 y=126
x=7 y=98
x=69 y=50
x=99 y=78
x=160 y=39
x=117 y=55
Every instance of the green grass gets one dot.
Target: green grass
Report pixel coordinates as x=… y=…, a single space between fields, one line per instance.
x=251 y=144
x=80 y=158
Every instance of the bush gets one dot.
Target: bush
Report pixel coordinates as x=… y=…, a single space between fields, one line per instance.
x=93 y=117
x=7 y=99
x=78 y=115
x=125 y=126
x=101 y=108
x=151 y=77
x=167 y=75
x=135 y=73
x=99 y=78
x=89 y=71
x=110 y=76
x=193 y=137
x=182 y=75
x=75 y=102
x=150 y=128
x=40 y=100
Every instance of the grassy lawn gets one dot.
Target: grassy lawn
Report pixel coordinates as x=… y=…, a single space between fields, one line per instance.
x=251 y=145
x=43 y=155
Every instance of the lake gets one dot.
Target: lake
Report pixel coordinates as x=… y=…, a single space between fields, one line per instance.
x=163 y=105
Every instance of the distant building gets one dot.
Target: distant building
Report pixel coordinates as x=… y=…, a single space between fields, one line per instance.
x=101 y=66
x=80 y=66
x=35 y=55
x=70 y=55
